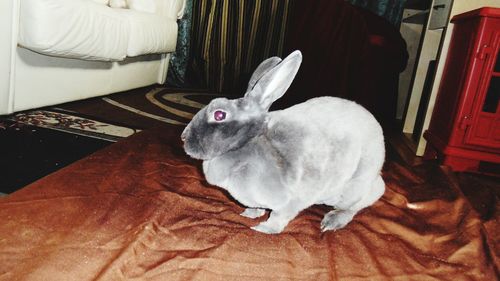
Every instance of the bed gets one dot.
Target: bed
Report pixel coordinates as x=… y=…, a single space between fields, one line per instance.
x=141 y=210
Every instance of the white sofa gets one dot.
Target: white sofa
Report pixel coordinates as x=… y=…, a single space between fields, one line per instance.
x=56 y=51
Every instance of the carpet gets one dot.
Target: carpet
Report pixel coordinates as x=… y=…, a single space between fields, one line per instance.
x=119 y=115
x=72 y=124
x=142 y=108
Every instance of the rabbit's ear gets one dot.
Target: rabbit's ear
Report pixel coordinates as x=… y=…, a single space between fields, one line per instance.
x=276 y=81
x=262 y=69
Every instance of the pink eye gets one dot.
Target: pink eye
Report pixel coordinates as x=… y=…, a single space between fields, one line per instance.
x=219 y=115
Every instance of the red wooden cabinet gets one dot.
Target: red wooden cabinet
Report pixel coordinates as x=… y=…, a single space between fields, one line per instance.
x=465 y=124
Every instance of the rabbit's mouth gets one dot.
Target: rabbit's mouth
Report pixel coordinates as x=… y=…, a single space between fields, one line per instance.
x=194 y=148
x=200 y=155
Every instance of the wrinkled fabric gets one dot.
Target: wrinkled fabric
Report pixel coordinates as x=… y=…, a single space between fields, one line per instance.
x=141 y=210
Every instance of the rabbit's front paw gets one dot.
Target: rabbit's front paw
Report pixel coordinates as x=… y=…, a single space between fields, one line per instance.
x=336 y=219
x=268 y=228
x=253 y=213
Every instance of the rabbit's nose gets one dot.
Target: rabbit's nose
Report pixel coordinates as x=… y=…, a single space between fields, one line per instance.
x=183 y=136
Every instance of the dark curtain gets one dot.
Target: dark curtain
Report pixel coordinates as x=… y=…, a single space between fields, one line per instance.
x=392 y=10
x=348 y=52
x=230 y=38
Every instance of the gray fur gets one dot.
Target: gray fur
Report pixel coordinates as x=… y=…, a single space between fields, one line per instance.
x=262 y=69
x=324 y=151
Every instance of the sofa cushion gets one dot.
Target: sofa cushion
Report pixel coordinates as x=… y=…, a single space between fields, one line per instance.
x=148 y=6
x=76 y=28
x=103 y=2
x=149 y=33
x=87 y=30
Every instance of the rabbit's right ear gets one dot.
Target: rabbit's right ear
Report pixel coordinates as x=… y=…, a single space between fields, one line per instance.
x=275 y=81
x=262 y=69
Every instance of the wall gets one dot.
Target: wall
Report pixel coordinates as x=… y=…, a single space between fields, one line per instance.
x=411 y=33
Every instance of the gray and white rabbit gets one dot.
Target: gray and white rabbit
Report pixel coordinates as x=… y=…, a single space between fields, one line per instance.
x=326 y=150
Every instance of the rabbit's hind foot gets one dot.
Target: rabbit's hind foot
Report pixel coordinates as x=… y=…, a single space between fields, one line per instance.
x=336 y=219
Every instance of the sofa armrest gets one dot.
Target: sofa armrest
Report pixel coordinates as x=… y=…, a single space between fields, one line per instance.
x=171 y=8
x=9 y=28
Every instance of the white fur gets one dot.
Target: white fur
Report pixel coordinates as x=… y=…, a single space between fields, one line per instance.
x=339 y=136
x=326 y=150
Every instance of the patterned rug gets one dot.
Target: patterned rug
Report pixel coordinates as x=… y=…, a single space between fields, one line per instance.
x=72 y=124
x=119 y=115
x=142 y=108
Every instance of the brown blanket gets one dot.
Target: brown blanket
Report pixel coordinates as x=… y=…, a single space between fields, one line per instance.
x=141 y=210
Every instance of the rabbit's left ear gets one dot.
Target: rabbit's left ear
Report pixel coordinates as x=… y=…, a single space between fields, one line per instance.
x=276 y=81
x=261 y=70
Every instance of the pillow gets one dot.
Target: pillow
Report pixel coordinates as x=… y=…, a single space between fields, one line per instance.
x=147 y=6
x=118 y=4
x=103 y=2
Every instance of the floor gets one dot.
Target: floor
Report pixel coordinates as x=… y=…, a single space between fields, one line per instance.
x=39 y=142
x=482 y=191
x=31 y=152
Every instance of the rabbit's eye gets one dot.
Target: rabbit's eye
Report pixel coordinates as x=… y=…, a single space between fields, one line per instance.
x=219 y=115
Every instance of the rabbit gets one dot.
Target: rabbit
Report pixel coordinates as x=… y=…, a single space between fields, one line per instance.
x=326 y=150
